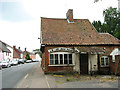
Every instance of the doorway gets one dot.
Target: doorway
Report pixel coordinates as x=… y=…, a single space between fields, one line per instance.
x=83 y=63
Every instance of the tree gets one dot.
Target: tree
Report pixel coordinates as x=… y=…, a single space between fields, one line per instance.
x=37 y=51
x=111 y=22
x=28 y=56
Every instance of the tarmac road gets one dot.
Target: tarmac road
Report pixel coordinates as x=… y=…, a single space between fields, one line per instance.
x=13 y=75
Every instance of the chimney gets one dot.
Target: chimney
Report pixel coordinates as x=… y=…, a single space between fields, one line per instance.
x=18 y=47
x=69 y=15
x=14 y=47
x=25 y=49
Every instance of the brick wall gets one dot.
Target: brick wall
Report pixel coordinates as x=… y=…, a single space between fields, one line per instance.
x=16 y=53
x=45 y=56
x=54 y=68
x=114 y=65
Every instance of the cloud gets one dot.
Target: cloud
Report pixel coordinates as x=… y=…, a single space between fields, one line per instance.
x=14 y=12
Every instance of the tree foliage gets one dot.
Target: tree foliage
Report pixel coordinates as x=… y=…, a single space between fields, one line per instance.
x=28 y=56
x=37 y=51
x=111 y=22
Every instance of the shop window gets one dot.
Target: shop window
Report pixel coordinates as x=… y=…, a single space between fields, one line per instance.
x=51 y=59
x=104 y=61
x=60 y=59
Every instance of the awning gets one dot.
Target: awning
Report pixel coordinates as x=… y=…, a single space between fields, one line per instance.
x=91 y=50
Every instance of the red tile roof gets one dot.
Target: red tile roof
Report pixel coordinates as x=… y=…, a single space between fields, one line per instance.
x=92 y=49
x=81 y=32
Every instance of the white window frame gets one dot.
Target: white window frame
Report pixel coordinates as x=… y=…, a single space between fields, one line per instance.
x=59 y=59
x=104 y=61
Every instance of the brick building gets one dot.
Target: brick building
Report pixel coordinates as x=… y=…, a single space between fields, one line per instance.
x=115 y=61
x=32 y=55
x=17 y=53
x=74 y=45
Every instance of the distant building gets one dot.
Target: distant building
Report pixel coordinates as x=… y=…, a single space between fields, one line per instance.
x=17 y=53
x=6 y=51
x=32 y=55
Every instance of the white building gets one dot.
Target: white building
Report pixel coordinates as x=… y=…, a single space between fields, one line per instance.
x=6 y=51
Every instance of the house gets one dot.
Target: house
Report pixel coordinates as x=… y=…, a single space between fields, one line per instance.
x=17 y=53
x=32 y=55
x=6 y=51
x=74 y=45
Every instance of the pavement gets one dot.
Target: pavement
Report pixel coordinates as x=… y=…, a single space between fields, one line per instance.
x=37 y=79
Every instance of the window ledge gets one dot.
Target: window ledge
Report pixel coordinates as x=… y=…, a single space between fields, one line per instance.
x=105 y=66
x=63 y=65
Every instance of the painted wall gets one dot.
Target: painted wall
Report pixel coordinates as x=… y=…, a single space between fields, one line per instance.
x=92 y=62
x=1 y=55
x=76 y=62
x=10 y=55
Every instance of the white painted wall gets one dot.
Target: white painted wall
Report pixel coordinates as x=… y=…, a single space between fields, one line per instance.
x=1 y=55
x=10 y=55
x=92 y=62
x=38 y=57
x=76 y=62
x=21 y=55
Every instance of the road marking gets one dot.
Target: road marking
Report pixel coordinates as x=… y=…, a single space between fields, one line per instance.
x=47 y=82
x=26 y=76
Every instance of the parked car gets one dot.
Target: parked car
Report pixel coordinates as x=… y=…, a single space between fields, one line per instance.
x=0 y=65
x=5 y=63
x=14 y=62
x=21 y=61
x=35 y=60
x=28 y=61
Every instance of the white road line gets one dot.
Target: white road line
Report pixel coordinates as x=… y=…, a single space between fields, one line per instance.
x=47 y=82
x=26 y=76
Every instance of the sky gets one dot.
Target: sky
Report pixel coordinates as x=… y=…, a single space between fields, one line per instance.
x=20 y=23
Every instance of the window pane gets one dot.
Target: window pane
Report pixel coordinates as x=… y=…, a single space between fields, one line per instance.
x=56 y=58
x=70 y=58
x=65 y=58
x=51 y=56
x=107 y=61
x=102 y=61
x=51 y=61
x=61 y=58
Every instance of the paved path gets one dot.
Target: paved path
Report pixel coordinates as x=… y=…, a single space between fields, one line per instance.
x=36 y=79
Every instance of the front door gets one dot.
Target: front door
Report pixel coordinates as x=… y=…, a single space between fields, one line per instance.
x=83 y=63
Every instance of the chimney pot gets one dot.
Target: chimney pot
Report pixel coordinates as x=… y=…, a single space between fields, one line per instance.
x=14 y=47
x=69 y=15
x=25 y=49
x=19 y=48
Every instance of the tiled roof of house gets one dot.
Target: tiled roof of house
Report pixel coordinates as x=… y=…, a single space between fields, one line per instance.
x=81 y=32
x=92 y=49
x=4 y=48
